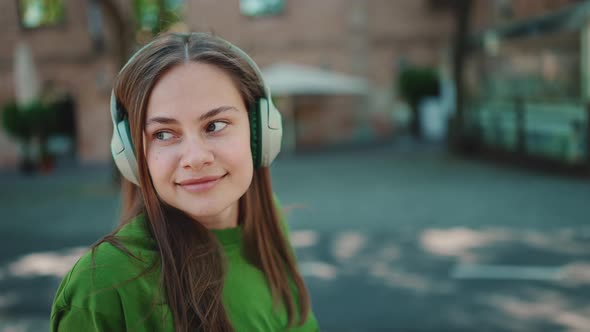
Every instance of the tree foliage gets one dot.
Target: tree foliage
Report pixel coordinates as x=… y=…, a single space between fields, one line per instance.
x=157 y=15
x=416 y=83
x=38 y=13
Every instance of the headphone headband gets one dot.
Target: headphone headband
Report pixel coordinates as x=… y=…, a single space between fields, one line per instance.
x=265 y=124
x=229 y=45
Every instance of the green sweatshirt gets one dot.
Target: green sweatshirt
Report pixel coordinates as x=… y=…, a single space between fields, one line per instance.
x=110 y=296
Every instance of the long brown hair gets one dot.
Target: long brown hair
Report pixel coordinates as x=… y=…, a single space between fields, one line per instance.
x=191 y=261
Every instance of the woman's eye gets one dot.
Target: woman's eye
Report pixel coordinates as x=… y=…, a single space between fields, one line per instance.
x=163 y=136
x=216 y=126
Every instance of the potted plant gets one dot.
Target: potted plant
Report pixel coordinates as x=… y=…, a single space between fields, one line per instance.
x=32 y=125
x=43 y=120
x=416 y=83
x=17 y=124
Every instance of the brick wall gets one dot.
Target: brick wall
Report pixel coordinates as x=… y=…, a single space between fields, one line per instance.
x=365 y=38
x=65 y=56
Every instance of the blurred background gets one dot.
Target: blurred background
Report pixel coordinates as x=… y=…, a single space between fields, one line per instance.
x=434 y=165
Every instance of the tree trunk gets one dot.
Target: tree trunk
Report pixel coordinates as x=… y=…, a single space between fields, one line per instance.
x=415 y=121
x=460 y=50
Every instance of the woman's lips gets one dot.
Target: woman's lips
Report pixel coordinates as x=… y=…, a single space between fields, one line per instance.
x=200 y=184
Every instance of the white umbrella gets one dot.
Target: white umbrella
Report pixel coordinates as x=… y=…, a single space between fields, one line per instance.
x=26 y=81
x=294 y=79
x=27 y=90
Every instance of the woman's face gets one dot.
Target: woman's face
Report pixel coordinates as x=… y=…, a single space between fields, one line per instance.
x=197 y=143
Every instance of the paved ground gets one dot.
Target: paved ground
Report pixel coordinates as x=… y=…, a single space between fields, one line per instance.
x=394 y=238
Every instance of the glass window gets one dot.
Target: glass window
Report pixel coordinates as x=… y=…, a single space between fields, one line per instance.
x=95 y=25
x=258 y=8
x=41 y=13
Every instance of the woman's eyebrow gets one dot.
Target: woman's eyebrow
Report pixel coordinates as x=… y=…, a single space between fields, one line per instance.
x=216 y=111
x=161 y=120
x=209 y=114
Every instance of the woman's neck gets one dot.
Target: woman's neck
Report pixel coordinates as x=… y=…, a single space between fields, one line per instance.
x=227 y=218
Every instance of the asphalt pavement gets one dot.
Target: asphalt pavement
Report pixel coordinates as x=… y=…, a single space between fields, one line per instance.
x=399 y=237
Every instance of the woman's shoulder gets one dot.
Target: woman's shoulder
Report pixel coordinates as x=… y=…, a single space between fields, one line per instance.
x=111 y=262
x=119 y=255
x=108 y=272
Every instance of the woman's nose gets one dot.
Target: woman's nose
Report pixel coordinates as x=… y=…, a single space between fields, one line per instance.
x=196 y=153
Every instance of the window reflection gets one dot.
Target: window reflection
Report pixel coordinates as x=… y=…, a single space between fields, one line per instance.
x=261 y=7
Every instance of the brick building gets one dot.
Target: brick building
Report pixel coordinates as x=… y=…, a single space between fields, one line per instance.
x=74 y=59
x=527 y=81
x=363 y=38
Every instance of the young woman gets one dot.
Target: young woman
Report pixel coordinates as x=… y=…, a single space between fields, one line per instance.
x=202 y=245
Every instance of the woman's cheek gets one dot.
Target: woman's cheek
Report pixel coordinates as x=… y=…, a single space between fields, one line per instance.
x=159 y=159
x=237 y=150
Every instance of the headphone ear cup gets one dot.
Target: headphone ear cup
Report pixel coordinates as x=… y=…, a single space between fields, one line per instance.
x=255 y=139
x=123 y=152
x=121 y=144
x=270 y=132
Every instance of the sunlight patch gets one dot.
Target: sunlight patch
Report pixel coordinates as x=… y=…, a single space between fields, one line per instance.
x=458 y=241
x=577 y=273
x=348 y=244
x=49 y=263
x=319 y=270
x=399 y=278
x=549 y=306
x=304 y=238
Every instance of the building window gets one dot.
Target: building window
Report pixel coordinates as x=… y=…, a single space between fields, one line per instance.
x=260 y=8
x=41 y=13
x=95 y=26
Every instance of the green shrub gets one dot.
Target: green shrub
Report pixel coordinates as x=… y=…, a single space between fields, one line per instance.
x=416 y=83
x=16 y=122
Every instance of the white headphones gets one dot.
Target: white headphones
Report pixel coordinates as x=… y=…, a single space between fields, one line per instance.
x=266 y=129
